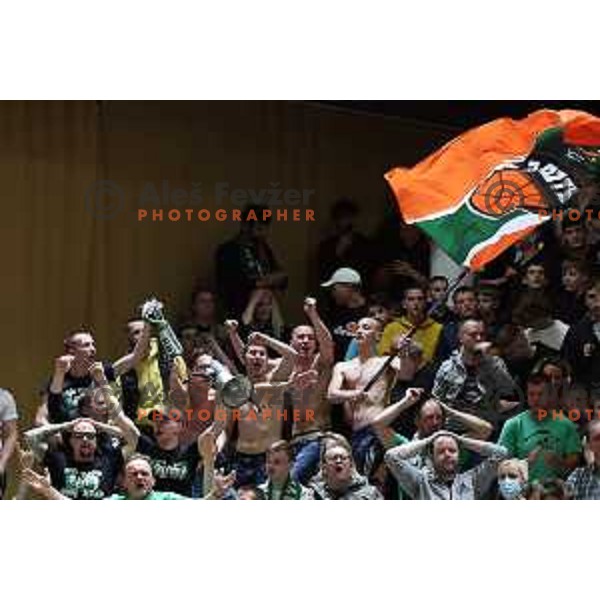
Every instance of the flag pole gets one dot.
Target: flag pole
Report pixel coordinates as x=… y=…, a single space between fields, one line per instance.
x=413 y=328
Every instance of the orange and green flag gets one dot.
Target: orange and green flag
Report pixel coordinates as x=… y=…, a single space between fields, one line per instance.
x=492 y=186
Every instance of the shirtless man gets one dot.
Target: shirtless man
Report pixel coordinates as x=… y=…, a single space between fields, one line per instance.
x=349 y=379
x=313 y=348
x=260 y=420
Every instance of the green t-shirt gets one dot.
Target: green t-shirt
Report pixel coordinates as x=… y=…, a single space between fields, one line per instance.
x=152 y=496
x=524 y=433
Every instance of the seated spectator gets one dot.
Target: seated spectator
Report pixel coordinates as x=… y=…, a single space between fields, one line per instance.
x=8 y=434
x=345 y=247
x=512 y=479
x=582 y=344
x=349 y=306
x=424 y=330
x=549 y=442
x=444 y=481
x=251 y=259
x=584 y=482
x=474 y=381
x=280 y=485
x=464 y=305
x=338 y=478
x=552 y=489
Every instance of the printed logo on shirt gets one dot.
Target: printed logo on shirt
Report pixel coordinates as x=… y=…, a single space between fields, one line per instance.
x=178 y=471
x=83 y=484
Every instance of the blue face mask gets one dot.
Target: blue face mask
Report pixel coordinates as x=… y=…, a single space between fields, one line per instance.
x=510 y=488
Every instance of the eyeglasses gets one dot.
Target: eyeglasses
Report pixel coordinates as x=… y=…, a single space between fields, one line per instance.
x=84 y=435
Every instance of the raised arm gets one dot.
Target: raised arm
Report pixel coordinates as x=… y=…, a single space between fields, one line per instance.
x=487 y=449
x=217 y=352
x=37 y=438
x=236 y=341
x=131 y=360
x=41 y=485
x=285 y=350
x=322 y=333
x=105 y=400
x=61 y=365
x=387 y=416
x=248 y=314
x=478 y=428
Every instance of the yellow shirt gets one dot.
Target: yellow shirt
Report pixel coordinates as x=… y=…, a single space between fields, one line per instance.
x=427 y=336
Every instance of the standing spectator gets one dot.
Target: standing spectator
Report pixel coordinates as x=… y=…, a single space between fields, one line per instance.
x=349 y=380
x=570 y=300
x=474 y=381
x=245 y=263
x=72 y=378
x=464 y=305
x=8 y=434
x=582 y=343
x=488 y=307
x=345 y=247
x=437 y=296
x=401 y=253
x=349 y=306
x=426 y=330
x=544 y=333
x=204 y=315
x=263 y=314
x=549 y=443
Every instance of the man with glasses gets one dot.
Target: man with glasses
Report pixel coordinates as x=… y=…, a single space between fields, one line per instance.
x=86 y=458
x=339 y=479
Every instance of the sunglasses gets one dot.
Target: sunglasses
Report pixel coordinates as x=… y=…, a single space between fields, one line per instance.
x=84 y=435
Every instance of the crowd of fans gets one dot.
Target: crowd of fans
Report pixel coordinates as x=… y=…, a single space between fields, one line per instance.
x=388 y=389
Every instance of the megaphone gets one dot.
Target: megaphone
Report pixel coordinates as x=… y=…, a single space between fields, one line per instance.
x=234 y=390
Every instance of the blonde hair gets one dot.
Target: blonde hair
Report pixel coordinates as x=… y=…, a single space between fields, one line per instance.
x=520 y=465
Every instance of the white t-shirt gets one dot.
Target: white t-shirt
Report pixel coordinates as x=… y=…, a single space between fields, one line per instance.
x=551 y=336
x=8 y=411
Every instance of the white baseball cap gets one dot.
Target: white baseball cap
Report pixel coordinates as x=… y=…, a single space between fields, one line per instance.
x=344 y=275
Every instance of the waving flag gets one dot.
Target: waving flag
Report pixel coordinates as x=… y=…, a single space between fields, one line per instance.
x=493 y=185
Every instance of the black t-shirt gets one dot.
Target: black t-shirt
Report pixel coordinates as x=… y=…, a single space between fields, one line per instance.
x=339 y=318
x=174 y=470
x=65 y=406
x=85 y=481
